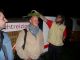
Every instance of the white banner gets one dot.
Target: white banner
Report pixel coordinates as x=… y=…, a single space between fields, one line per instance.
x=15 y=26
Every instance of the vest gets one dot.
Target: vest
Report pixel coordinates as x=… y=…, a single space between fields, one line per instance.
x=55 y=36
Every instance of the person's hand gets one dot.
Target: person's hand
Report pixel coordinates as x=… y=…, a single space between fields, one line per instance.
x=34 y=11
x=40 y=15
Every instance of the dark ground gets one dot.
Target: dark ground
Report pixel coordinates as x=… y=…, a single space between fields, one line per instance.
x=70 y=52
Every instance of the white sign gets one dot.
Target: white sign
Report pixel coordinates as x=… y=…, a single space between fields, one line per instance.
x=15 y=26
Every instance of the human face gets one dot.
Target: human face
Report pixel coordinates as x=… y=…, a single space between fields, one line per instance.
x=59 y=19
x=34 y=21
x=3 y=21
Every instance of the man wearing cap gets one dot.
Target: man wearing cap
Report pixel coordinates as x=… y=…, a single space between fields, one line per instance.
x=34 y=40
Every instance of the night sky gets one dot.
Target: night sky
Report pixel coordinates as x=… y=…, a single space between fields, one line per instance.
x=19 y=8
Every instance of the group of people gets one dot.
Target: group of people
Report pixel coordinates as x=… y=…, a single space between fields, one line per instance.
x=30 y=42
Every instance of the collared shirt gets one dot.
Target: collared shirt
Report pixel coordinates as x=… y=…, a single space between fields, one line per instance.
x=7 y=44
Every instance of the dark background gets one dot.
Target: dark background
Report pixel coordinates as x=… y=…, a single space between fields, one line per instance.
x=19 y=8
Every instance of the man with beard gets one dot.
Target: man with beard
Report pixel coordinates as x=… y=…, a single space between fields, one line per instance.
x=56 y=36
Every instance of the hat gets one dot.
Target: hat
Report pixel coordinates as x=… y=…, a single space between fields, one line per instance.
x=32 y=13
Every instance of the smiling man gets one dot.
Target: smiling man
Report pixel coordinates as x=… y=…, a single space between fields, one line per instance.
x=33 y=43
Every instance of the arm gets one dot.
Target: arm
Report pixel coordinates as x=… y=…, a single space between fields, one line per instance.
x=5 y=52
x=48 y=22
x=65 y=34
x=8 y=46
x=19 y=44
x=41 y=41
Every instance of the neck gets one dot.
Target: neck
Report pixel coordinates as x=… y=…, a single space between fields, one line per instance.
x=58 y=23
x=33 y=29
x=33 y=26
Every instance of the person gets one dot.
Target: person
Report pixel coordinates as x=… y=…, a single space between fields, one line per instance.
x=56 y=36
x=34 y=41
x=5 y=43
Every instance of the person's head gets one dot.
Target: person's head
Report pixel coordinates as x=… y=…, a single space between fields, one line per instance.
x=3 y=20
x=34 y=21
x=59 y=19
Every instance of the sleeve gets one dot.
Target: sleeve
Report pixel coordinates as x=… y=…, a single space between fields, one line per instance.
x=65 y=33
x=19 y=44
x=49 y=23
x=8 y=45
x=42 y=42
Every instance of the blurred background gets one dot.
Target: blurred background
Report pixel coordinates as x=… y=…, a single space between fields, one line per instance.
x=14 y=11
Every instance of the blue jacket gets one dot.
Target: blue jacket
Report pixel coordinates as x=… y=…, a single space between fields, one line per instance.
x=7 y=44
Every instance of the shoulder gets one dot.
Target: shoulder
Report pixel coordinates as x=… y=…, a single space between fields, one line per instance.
x=5 y=35
x=6 y=39
x=21 y=31
x=63 y=26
